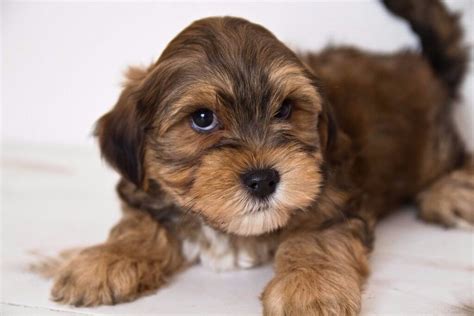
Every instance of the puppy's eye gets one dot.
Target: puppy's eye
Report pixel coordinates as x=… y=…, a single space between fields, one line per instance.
x=284 y=112
x=204 y=120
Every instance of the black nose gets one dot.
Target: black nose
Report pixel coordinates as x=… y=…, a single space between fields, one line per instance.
x=261 y=183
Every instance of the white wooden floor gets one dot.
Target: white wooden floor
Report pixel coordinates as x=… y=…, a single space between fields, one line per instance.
x=60 y=197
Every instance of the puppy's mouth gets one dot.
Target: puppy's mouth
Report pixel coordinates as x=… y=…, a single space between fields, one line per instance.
x=248 y=213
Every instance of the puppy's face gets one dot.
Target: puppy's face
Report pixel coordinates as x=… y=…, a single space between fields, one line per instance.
x=228 y=121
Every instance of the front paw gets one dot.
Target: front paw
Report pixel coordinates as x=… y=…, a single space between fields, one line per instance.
x=100 y=276
x=311 y=293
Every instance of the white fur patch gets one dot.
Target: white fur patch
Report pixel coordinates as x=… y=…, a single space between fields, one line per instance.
x=245 y=260
x=225 y=262
x=219 y=255
x=191 y=250
x=216 y=251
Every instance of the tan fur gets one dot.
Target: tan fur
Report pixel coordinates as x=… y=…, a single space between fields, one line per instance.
x=367 y=132
x=318 y=273
x=449 y=201
x=112 y=272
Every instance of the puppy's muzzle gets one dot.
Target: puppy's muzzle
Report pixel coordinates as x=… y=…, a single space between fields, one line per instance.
x=261 y=183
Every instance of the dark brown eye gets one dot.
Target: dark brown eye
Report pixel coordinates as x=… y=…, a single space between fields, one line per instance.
x=284 y=112
x=203 y=120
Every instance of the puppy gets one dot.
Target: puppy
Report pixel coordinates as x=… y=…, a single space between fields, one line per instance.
x=233 y=150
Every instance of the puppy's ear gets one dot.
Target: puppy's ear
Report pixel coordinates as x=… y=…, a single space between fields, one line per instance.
x=336 y=145
x=327 y=128
x=121 y=132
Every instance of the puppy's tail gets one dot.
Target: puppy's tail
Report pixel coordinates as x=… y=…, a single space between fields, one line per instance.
x=441 y=37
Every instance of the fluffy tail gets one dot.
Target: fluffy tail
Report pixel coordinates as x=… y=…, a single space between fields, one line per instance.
x=441 y=37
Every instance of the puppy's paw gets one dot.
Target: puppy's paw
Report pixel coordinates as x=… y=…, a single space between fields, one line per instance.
x=98 y=276
x=309 y=293
x=450 y=200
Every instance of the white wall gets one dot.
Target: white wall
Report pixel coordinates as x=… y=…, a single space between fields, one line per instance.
x=62 y=61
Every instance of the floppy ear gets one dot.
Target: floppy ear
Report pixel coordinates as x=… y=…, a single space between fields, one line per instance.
x=327 y=128
x=121 y=132
x=336 y=145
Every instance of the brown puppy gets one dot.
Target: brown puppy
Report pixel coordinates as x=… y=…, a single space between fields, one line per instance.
x=233 y=149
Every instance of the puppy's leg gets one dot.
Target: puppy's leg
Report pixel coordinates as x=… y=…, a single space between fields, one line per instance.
x=138 y=257
x=450 y=200
x=320 y=272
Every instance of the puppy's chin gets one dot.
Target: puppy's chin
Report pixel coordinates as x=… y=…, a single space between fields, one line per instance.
x=258 y=222
x=260 y=217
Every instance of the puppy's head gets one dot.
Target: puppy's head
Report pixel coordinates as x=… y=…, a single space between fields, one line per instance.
x=228 y=121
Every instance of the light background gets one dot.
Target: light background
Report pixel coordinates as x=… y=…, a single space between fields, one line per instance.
x=61 y=69
x=62 y=61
